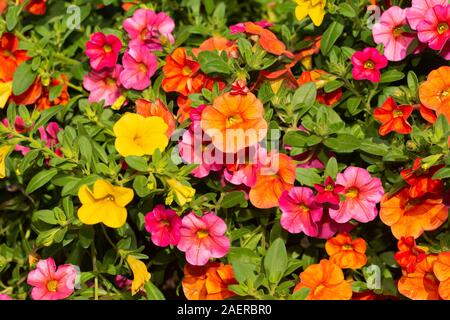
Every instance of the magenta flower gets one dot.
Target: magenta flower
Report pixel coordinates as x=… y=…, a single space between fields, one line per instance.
x=244 y=170
x=149 y=29
x=203 y=238
x=50 y=283
x=5 y=297
x=419 y=8
x=435 y=28
x=20 y=127
x=103 y=50
x=103 y=85
x=300 y=213
x=328 y=192
x=362 y=193
x=328 y=227
x=390 y=31
x=50 y=134
x=367 y=64
x=139 y=66
x=164 y=226
x=122 y=282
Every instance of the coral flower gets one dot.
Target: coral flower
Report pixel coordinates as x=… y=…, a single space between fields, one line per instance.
x=209 y=282
x=319 y=78
x=393 y=117
x=421 y=284
x=325 y=281
x=103 y=85
x=30 y=96
x=139 y=66
x=149 y=29
x=390 y=31
x=62 y=99
x=105 y=204
x=435 y=28
x=409 y=254
x=240 y=27
x=157 y=109
x=4 y=152
x=203 y=238
x=220 y=44
x=51 y=283
x=164 y=226
x=419 y=8
x=267 y=39
x=275 y=176
x=362 y=193
x=346 y=252
x=315 y=9
x=140 y=274
x=411 y=217
x=10 y=56
x=367 y=64
x=421 y=180
x=139 y=136
x=441 y=269
x=36 y=7
x=234 y=122
x=428 y=114
x=183 y=193
x=181 y=73
x=435 y=92
x=300 y=213
x=103 y=50
x=328 y=192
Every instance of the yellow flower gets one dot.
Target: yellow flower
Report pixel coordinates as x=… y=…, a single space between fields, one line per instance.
x=5 y=93
x=4 y=151
x=315 y=9
x=105 y=204
x=140 y=274
x=139 y=136
x=183 y=193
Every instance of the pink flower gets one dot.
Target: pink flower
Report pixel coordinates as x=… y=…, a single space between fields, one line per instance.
x=103 y=50
x=203 y=238
x=435 y=28
x=362 y=193
x=103 y=85
x=328 y=227
x=328 y=192
x=367 y=64
x=300 y=213
x=149 y=29
x=20 y=127
x=390 y=32
x=419 y=8
x=5 y=297
x=240 y=27
x=139 y=66
x=244 y=171
x=122 y=282
x=49 y=283
x=50 y=134
x=164 y=226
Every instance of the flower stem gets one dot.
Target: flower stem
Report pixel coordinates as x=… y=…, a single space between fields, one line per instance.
x=94 y=269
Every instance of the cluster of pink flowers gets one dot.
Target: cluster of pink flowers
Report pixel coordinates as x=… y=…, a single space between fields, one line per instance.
x=427 y=21
x=353 y=196
x=148 y=31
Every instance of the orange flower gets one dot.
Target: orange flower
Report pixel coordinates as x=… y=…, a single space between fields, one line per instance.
x=3 y=6
x=345 y=252
x=10 y=56
x=428 y=114
x=441 y=269
x=305 y=55
x=36 y=7
x=421 y=180
x=421 y=284
x=63 y=98
x=325 y=281
x=319 y=78
x=409 y=254
x=220 y=44
x=158 y=109
x=393 y=117
x=435 y=92
x=411 y=217
x=209 y=282
x=267 y=39
x=182 y=73
x=234 y=122
x=30 y=96
x=275 y=177
x=184 y=105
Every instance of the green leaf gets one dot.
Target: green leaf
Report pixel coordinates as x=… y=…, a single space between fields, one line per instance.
x=85 y=148
x=40 y=179
x=55 y=92
x=48 y=216
x=347 y=10
x=392 y=76
x=333 y=86
x=211 y=62
x=137 y=163
x=308 y=176
x=306 y=95
x=343 y=143
x=300 y=139
x=11 y=17
x=443 y=173
x=300 y=294
x=276 y=261
x=153 y=293
x=331 y=169
x=330 y=37
x=46 y=238
x=45 y=116
x=234 y=199
x=23 y=78
x=374 y=148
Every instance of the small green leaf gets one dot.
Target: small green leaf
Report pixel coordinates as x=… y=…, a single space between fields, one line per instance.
x=331 y=169
x=306 y=95
x=40 y=179
x=308 y=176
x=23 y=78
x=234 y=199
x=330 y=37
x=300 y=294
x=392 y=76
x=276 y=261
x=137 y=163
x=212 y=62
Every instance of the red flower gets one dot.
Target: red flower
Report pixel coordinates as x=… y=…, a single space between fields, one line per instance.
x=328 y=192
x=409 y=254
x=239 y=88
x=10 y=56
x=421 y=180
x=393 y=117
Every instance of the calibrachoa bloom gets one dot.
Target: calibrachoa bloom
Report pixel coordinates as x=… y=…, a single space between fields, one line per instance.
x=367 y=64
x=10 y=56
x=393 y=117
x=183 y=193
x=208 y=282
x=138 y=136
x=421 y=180
x=139 y=66
x=203 y=238
x=5 y=297
x=315 y=9
x=362 y=193
x=4 y=151
x=390 y=31
x=328 y=192
x=103 y=50
x=435 y=91
x=156 y=109
x=318 y=77
x=37 y=7
x=51 y=283
x=418 y=10
x=103 y=85
x=44 y=102
x=325 y=281
x=220 y=44
x=409 y=254
x=441 y=269
x=164 y=226
x=104 y=204
x=435 y=28
x=347 y=252
x=140 y=274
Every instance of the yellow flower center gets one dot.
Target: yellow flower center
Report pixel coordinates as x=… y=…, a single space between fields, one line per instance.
x=233 y=120
x=142 y=67
x=352 y=192
x=442 y=27
x=52 y=285
x=110 y=81
x=369 y=64
x=202 y=234
x=347 y=247
x=165 y=223
x=444 y=94
x=186 y=71
x=304 y=207
x=107 y=48
x=397 y=113
x=329 y=187
x=110 y=198
x=398 y=31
